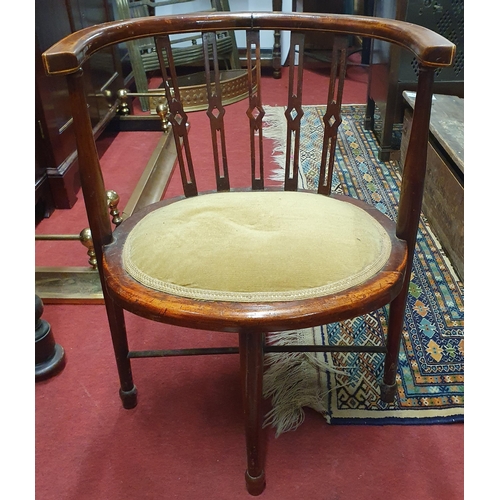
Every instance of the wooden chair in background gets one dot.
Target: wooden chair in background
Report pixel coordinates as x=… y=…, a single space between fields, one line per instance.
x=187 y=50
x=233 y=260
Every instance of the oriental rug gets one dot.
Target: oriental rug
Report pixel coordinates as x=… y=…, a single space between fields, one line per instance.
x=344 y=386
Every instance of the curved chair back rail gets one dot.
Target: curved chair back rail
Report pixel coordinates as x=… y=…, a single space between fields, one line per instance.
x=67 y=56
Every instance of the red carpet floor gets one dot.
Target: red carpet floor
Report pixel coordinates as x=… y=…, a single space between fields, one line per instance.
x=185 y=438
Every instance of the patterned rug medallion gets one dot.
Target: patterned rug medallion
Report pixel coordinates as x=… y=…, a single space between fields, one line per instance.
x=344 y=387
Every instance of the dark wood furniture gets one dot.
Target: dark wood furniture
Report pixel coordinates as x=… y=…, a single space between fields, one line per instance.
x=57 y=180
x=262 y=302
x=318 y=45
x=50 y=357
x=443 y=203
x=393 y=70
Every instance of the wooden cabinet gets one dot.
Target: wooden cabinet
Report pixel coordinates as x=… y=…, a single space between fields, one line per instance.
x=56 y=178
x=443 y=202
x=393 y=70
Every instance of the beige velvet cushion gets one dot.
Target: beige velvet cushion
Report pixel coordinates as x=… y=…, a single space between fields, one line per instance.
x=256 y=246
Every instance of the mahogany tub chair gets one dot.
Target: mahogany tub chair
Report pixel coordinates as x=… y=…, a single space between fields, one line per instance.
x=233 y=260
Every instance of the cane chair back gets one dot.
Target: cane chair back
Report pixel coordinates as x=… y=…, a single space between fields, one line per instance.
x=234 y=260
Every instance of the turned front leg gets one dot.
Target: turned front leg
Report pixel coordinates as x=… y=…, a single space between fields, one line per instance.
x=252 y=366
x=388 y=388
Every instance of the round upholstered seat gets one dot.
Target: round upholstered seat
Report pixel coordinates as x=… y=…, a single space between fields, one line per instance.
x=256 y=247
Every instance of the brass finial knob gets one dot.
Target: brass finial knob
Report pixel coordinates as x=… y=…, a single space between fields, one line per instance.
x=108 y=95
x=123 y=108
x=113 y=199
x=162 y=110
x=87 y=242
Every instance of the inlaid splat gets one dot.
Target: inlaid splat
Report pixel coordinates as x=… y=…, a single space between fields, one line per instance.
x=176 y=115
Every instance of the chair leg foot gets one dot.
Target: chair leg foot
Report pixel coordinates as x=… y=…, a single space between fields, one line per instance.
x=388 y=392
x=255 y=485
x=388 y=387
x=129 y=398
x=128 y=391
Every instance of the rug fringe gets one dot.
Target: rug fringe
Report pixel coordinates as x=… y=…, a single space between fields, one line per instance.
x=275 y=129
x=275 y=125
x=291 y=381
